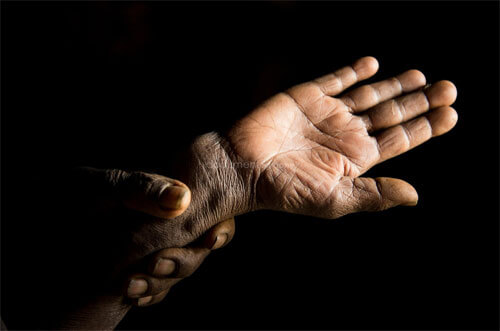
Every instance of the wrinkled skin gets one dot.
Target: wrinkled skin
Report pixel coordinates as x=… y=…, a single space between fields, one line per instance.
x=309 y=148
x=305 y=150
x=302 y=151
x=93 y=277
x=158 y=277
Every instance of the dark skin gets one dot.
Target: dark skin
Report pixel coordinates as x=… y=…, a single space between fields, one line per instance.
x=302 y=151
x=169 y=266
x=105 y=269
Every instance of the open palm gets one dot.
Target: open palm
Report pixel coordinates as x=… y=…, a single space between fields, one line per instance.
x=308 y=148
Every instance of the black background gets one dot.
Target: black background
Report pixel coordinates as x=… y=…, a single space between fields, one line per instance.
x=123 y=84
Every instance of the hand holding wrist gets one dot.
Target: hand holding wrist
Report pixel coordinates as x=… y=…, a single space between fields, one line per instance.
x=222 y=185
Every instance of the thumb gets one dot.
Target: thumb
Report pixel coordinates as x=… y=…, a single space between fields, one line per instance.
x=152 y=194
x=375 y=194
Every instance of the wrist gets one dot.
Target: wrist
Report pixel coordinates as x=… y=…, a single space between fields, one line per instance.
x=222 y=185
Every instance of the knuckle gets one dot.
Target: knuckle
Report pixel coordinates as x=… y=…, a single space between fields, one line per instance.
x=143 y=180
x=115 y=176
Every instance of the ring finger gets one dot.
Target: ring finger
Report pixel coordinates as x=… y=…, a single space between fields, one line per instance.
x=402 y=109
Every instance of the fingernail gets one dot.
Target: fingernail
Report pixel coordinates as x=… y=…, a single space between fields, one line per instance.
x=174 y=197
x=164 y=267
x=137 y=287
x=143 y=301
x=220 y=241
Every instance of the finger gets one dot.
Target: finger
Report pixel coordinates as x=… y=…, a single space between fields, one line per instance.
x=152 y=194
x=334 y=83
x=367 y=96
x=142 y=285
x=177 y=262
x=136 y=286
x=405 y=108
x=165 y=268
x=401 y=138
x=150 y=300
x=218 y=236
x=170 y=265
x=369 y=194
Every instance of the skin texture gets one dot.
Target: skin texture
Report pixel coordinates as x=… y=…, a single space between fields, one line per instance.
x=99 y=261
x=168 y=266
x=302 y=151
x=314 y=148
x=105 y=310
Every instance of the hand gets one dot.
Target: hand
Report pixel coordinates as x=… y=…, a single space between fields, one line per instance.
x=303 y=150
x=310 y=148
x=106 y=220
x=167 y=267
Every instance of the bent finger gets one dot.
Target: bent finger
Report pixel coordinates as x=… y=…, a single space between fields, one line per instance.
x=218 y=236
x=177 y=262
x=141 y=285
x=150 y=300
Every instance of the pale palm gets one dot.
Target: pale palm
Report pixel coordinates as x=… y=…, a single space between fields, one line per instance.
x=308 y=148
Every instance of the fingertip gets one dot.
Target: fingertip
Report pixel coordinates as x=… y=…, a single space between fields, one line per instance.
x=366 y=67
x=163 y=267
x=175 y=199
x=442 y=93
x=141 y=302
x=185 y=200
x=151 y=300
x=412 y=198
x=411 y=195
x=371 y=62
x=225 y=230
x=230 y=226
x=219 y=235
x=415 y=78
x=216 y=239
x=452 y=116
x=398 y=190
x=136 y=287
x=442 y=120
x=220 y=241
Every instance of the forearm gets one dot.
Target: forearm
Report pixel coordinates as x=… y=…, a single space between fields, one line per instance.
x=221 y=188
x=101 y=313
